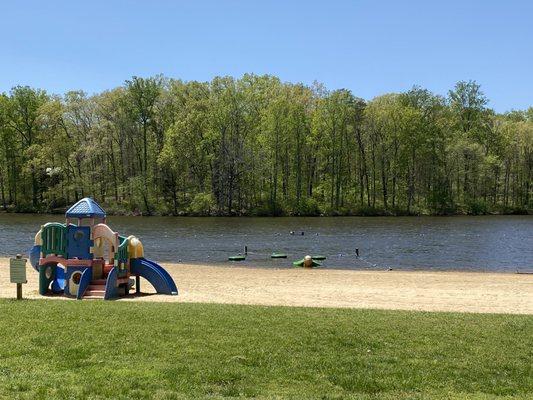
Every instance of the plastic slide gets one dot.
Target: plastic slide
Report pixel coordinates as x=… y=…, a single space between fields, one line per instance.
x=58 y=284
x=35 y=254
x=155 y=274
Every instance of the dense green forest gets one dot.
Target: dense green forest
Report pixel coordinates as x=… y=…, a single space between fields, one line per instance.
x=259 y=146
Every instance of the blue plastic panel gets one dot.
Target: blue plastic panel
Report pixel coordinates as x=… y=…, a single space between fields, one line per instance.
x=79 y=242
x=85 y=281
x=111 y=289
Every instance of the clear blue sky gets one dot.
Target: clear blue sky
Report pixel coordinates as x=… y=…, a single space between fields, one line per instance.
x=369 y=47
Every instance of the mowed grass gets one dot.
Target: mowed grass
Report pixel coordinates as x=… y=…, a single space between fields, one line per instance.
x=130 y=350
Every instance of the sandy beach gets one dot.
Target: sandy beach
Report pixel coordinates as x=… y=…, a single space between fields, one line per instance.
x=393 y=290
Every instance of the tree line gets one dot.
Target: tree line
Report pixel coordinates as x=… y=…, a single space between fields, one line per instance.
x=259 y=146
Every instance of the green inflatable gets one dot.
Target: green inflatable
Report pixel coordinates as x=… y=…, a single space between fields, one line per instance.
x=278 y=255
x=306 y=262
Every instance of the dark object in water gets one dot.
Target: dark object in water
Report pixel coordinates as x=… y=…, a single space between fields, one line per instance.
x=524 y=272
x=237 y=258
x=318 y=257
x=278 y=255
x=357 y=252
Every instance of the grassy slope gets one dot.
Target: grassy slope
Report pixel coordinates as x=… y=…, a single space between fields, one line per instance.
x=68 y=349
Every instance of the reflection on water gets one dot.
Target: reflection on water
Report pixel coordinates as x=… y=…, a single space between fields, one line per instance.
x=498 y=243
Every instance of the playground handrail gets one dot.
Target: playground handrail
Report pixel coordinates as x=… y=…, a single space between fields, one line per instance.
x=122 y=251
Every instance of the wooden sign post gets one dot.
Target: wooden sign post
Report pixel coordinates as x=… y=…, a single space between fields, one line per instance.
x=17 y=273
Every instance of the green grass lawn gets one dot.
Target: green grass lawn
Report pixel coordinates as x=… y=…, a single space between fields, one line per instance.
x=81 y=349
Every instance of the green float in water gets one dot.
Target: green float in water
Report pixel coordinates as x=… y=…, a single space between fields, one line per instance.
x=300 y=263
x=278 y=255
x=237 y=258
x=318 y=257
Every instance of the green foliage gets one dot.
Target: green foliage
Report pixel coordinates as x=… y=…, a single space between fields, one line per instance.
x=125 y=350
x=203 y=204
x=477 y=207
x=258 y=146
x=305 y=207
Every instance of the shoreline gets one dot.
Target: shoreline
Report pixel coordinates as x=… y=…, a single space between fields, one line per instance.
x=363 y=215
x=381 y=268
x=445 y=291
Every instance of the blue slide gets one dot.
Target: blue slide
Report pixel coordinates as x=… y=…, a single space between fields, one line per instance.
x=155 y=274
x=35 y=254
x=58 y=284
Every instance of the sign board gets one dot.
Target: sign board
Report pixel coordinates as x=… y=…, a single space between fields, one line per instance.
x=17 y=270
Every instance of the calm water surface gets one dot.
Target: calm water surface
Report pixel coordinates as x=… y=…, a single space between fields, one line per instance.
x=488 y=243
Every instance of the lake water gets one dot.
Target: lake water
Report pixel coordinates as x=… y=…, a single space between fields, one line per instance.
x=485 y=243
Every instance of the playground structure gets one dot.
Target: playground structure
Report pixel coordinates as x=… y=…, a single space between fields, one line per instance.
x=87 y=259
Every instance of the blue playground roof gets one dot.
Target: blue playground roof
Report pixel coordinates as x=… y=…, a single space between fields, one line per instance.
x=85 y=208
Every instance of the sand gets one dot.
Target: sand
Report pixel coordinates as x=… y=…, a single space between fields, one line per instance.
x=391 y=290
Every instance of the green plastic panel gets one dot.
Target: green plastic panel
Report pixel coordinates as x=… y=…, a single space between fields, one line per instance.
x=54 y=238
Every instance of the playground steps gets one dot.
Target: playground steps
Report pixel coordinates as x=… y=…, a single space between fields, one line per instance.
x=96 y=290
